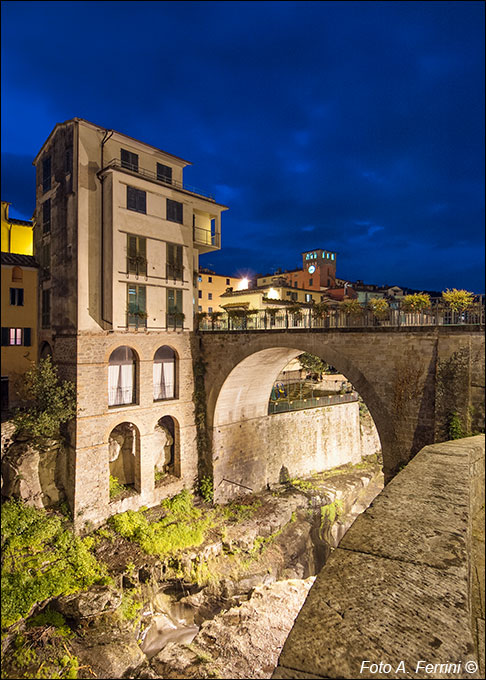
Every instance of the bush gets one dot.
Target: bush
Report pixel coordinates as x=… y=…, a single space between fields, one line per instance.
x=206 y=488
x=352 y=307
x=41 y=559
x=52 y=402
x=416 y=302
x=379 y=307
x=458 y=300
x=116 y=488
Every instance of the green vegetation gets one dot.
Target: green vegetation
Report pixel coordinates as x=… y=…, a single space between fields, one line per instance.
x=41 y=559
x=116 y=488
x=49 y=617
x=416 y=302
x=313 y=364
x=184 y=526
x=320 y=310
x=158 y=475
x=45 y=656
x=206 y=488
x=455 y=428
x=458 y=300
x=302 y=484
x=352 y=307
x=130 y=605
x=330 y=513
x=379 y=307
x=238 y=512
x=52 y=402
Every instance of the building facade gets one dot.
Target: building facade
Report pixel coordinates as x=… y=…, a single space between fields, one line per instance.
x=318 y=271
x=211 y=287
x=119 y=236
x=19 y=304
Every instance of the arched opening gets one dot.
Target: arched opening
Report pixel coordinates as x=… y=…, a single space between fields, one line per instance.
x=17 y=274
x=124 y=460
x=167 y=449
x=122 y=377
x=164 y=374
x=45 y=350
x=251 y=447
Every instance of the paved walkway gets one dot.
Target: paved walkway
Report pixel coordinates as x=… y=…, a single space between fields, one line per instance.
x=478 y=565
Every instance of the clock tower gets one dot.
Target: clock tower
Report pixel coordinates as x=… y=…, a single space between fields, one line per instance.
x=322 y=265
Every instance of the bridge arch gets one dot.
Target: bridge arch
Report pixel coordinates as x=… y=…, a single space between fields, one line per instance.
x=242 y=395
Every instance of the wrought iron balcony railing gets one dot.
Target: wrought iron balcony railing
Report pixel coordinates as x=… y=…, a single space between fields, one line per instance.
x=206 y=237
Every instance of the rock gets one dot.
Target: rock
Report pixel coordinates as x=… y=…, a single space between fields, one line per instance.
x=113 y=660
x=31 y=474
x=93 y=602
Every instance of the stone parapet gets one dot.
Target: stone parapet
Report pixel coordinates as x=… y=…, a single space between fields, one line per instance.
x=399 y=586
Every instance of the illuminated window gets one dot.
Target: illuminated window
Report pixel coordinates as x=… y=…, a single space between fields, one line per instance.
x=308 y=297
x=121 y=377
x=164 y=373
x=199 y=278
x=12 y=337
x=129 y=160
x=332 y=256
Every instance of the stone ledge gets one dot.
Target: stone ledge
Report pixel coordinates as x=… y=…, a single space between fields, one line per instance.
x=398 y=587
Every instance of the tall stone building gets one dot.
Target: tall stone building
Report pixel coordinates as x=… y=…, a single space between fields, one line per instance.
x=118 y=236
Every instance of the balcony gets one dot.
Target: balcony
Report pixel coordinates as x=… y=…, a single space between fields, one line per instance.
x=152 y=175
x=206 y=237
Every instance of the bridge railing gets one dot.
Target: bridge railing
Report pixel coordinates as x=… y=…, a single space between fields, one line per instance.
x=396 y=317
x=285 y=405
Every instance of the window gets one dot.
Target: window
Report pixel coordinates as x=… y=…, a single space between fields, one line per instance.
x=174 y=268
x=210 y=296
x=210 y=310
x=332 y=256
x=121 y=377
x=136 y=255
x=227 y=282
x=308 y=297
x=17 y=297
x=311 y=281
x=17 y=274
x=16 y=336
x=199 y=278
x=137 y=306
x=164 y=173
x=46 y=216
x=46 y=309
x=46 y=174
x=199 y=309
x=294 y=296
x=164 y=373
x=136 y=200
x=295 y=284
x=174 y=211
x=129 y=160
x=199 y=294
x=45 y=259
x=175 y=316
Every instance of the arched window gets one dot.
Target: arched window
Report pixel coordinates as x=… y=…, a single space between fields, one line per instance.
x=45 y=351
x=166 y=448
x=17 y=274
x=121 y=377
x=124 y=456
x=164 y=373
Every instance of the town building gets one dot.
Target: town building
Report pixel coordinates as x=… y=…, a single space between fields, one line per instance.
x=318 y=271
x=119 y=237
x=211 y=287
x=19 y=304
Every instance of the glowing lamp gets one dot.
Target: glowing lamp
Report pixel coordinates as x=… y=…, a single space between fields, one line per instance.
x=273 y=294
x=243 y=284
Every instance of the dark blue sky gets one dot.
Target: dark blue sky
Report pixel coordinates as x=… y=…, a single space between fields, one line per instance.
x=351 y=126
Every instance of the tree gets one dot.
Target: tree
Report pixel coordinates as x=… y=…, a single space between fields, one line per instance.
x=458 y=300
x=379 y=307
x=416 y=302
x=352 y=307
x=51 y=402
x=313 y=364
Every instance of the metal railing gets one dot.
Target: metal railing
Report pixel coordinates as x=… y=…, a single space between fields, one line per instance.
x=284 y=406
x=151 y=174
x=206 y=237
x=283 y=319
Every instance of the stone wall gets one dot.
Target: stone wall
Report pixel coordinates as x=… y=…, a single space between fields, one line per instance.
x=253 y=452
x=399 y=586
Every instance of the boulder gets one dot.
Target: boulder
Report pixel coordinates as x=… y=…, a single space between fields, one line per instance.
x=93 y=602
x=30 y=473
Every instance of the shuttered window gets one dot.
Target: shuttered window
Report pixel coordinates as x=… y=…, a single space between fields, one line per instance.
x=174 y=269
x=17 y=297
x=129 y=160
x=175 y=316
x=46 y=174
x=137 y=306
x=46 y=216
x=164 y=173
x=136 y=255
x=174 y=211
x=136 y=200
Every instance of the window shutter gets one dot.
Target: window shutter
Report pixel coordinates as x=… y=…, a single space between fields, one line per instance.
x=131 y=198
x=20 y=296
x=27 y=333
x=5 y=337
x=179 y=256
x=12 y=296
x=141 y=201
x=132 y=246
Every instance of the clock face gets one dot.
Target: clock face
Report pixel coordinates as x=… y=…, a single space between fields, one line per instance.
x=312 y=269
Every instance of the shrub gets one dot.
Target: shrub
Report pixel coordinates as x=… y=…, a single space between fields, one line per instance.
x=52 y=402
x=352 y=307
x=116 y=488
x=458 y=300
x=379 y=307
x=455 y=428
x=206 y=488
x=41 y=559
x=416 y=302
x=320 y=310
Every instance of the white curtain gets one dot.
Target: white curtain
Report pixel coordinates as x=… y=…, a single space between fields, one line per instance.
x=163 y=380
x=120 y=384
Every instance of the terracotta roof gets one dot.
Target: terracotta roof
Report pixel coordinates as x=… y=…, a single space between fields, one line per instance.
x=19 y=260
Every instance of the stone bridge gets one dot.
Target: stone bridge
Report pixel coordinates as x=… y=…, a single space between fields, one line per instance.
x=412 y=379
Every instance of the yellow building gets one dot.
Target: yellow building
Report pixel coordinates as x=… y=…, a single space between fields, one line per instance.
x=19 y=303
x=270 y=296
x=211 y=287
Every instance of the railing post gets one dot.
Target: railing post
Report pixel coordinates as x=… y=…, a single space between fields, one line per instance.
x=286 y=319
